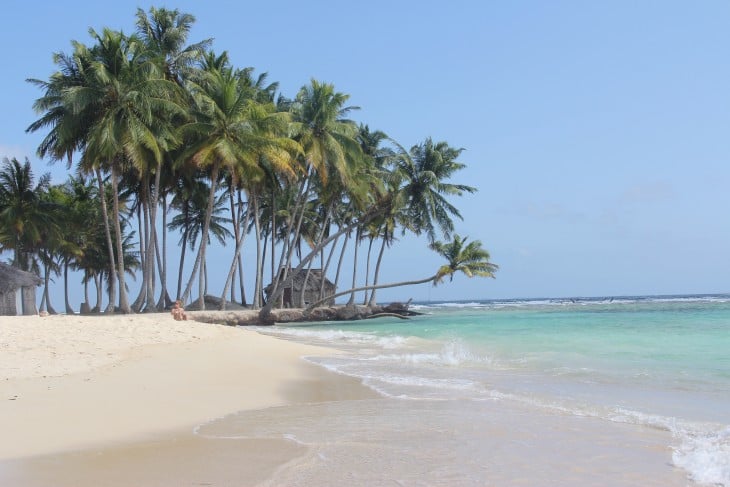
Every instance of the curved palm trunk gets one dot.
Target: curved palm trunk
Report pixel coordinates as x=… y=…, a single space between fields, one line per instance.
x=110 y=245
x=326 y=267
x=377 y=272
x=373 y=287
x=46 y=301
x=123 y=300
x=341 y=259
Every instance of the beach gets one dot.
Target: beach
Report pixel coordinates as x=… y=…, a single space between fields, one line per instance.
x=74 y=388
x=597 y=393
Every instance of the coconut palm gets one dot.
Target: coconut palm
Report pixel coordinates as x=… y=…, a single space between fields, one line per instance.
x=469 y=259
x=69 y=127
x=225 y=136
x=131 y=125
x=331 y=153
x=165 y=34
x=27 y=217
x=426 y=169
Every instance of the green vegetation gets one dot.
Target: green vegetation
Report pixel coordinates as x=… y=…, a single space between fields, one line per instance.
x=170 y=136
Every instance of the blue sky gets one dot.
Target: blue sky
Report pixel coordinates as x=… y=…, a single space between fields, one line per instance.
x=596 y=132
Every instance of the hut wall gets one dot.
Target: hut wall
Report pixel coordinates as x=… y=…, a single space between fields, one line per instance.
x=28 y=297
x=7 y=304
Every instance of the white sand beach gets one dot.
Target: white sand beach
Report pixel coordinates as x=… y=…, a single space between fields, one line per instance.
x=75 y=383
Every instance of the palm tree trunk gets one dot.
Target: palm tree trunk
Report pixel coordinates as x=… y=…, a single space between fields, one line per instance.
x=367 y=270
x=86 y=290
x=273 y=236
x=164 y=295
x=97 y=283
x=197 y=267
x=258 y=284
x=110 y=245
x=123 y=300
x=239 y=243
x=183 y=248
x=298 y=217
x=69 y=309
x=377 y=271
x=326 y=267
x=374 y=286
x=46 y=296
x=351 y=301
x=152 y=240
x=341 y=260
x=143 y=244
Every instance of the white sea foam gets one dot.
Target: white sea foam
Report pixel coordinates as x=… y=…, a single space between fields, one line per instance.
x=706 y=457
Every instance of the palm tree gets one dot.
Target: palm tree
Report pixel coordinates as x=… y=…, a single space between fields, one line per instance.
x=331 y=152
x=165 y=33
x=470 y=259
x=27 y=217
x=224 y=136
x=131 y=124
x=426 y=170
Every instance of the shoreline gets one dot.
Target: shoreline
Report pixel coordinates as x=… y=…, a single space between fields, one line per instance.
x=143 y=384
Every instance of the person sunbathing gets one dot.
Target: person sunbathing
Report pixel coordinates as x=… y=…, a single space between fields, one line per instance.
x=178 y=312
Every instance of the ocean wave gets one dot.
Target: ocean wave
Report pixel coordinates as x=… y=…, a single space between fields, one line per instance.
x=336 y=336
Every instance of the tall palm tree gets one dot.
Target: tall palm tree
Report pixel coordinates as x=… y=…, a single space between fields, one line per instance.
x=132 y=111
x=469 y=259
x=165 y=35
x=426 y=169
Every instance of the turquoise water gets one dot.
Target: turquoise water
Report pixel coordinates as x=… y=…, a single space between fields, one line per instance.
x=616 y=368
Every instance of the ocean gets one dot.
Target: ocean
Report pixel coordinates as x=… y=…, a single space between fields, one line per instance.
x=591 y=391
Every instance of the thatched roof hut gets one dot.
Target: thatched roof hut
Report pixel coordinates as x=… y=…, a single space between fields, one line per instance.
x=17 y=287
x=293 y=292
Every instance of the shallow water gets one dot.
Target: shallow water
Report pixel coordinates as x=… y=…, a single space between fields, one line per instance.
x=623 y=391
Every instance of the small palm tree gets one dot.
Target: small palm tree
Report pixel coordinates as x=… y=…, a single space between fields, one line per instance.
x=27 y=217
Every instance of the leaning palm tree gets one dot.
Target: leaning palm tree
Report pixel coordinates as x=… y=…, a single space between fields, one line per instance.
x=469 y=259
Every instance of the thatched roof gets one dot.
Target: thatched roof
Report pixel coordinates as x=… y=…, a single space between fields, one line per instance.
x=313 y=283
x=12 y=278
